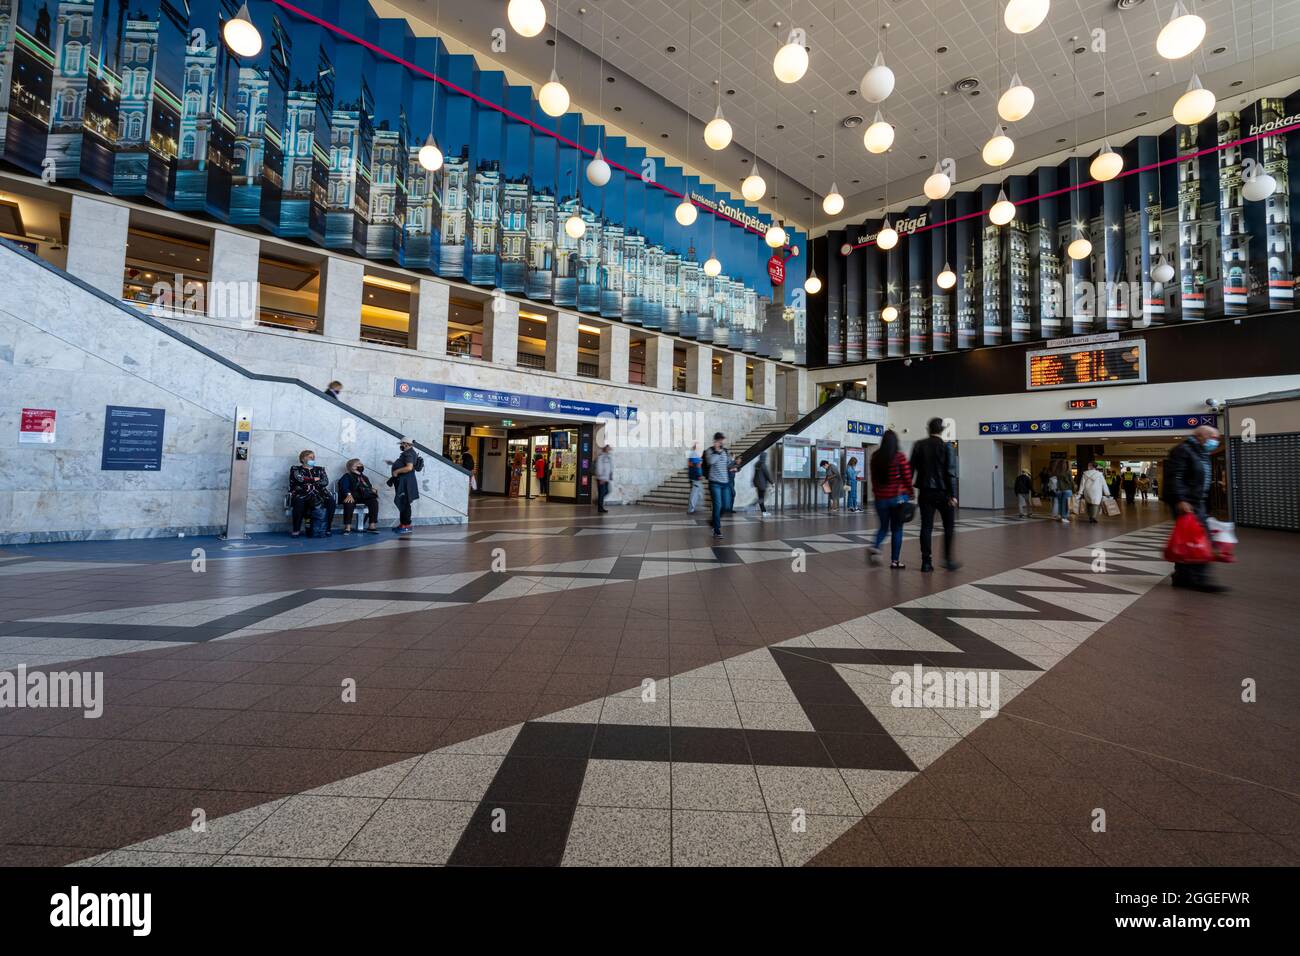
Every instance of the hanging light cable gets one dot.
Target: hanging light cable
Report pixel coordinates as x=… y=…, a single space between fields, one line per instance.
x=754 y=187
x=1107 y=164
x=1259 y=185
x=998 y=150
x=791 y=60
x=598 y=171
x=430 y=156
x=717 y=134
x=937 y=184
x=686 y=213
x=878 y=82
x=553 y=97
x=1080 y=247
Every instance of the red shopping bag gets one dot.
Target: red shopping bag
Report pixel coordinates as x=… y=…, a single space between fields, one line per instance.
x=1189 y=544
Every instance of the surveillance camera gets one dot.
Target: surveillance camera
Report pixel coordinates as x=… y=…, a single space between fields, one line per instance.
x=1214 y=403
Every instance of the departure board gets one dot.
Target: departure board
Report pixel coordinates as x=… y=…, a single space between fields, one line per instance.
x=1108 y=363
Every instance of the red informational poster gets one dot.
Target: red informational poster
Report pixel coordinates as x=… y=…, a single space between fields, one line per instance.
x=36 y=426
x=776 y=270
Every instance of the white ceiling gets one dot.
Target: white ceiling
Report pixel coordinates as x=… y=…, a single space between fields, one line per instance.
x=653 y=86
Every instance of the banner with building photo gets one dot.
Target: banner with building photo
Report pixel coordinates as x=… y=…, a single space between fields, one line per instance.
x=486 y=182
x=833 y=289
x=967 y=263
x=1194 y=258
x=854 y=304
x=920 y=279
x=1021 y=251
x=873 y=287
x=941 y=299
x=1274 y=154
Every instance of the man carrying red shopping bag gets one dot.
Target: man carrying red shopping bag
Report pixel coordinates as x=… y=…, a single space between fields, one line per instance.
x=1186 y=490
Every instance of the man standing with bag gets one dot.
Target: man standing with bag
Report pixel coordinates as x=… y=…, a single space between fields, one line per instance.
x=934 y=473
x=1187 y=486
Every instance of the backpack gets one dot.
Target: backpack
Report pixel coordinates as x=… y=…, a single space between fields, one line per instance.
x=419 y=462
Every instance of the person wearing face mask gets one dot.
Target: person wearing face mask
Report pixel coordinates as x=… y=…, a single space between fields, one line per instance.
x=334 y=389
x=355 y=489
x=1188 y=472
x=309 y=491
x=406 y=487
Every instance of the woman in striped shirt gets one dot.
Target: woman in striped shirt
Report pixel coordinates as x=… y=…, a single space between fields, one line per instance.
x=891 y=486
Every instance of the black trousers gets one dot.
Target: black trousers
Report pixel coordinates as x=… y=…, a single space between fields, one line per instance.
x=371 y=505
x=403 y=502
x=932 y=501
x=602 y=489
x=303 y=506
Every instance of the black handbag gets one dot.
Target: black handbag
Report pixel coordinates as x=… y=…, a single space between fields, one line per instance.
x=909 y=511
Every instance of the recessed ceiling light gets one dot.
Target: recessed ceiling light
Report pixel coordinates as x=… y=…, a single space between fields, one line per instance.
x=618 y=109
x=609 y=79
x=851 y=122
x=856 y=181
x=1127 y=4
x=1080 y=49
x=670 y=49
x=821 y=155
x=731 y=92
x=1140 y=115
x=663 y=135
x=550 y=42
x=853 y=93
x=1235 y=83
x=1098 y=93
x=942 y=49
x=1220 y=49
x=780 y=126
x=1062 y=140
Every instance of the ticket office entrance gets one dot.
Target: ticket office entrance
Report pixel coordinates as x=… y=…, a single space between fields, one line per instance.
x=533 y=460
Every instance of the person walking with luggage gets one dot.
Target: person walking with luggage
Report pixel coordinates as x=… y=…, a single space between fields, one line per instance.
x=1024 y=489
x=309 y=493
x=934 y=472
x=604 y=478
x=717 y=471
x=891 y=485
x=762 y=481
x=406 y=487
x=1092 y=488
x=695 y=475
x=1188 y=472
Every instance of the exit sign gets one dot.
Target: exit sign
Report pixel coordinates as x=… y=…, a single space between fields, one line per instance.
x=1078 y=404
x=507 y=422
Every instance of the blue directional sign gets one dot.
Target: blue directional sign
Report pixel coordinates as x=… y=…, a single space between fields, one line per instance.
x=508 y=401
x=865 y=428
x=1054 y=426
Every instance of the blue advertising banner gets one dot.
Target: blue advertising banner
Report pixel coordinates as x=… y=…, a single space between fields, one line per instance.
x=1049 y=426
x=133 y=438
x=511 y=401
x=864 y=428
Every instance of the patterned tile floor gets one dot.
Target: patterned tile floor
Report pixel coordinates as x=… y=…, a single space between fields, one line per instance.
x=549 y=687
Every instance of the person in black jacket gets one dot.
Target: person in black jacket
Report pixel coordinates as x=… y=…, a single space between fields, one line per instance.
x=935 y=477
x=355 y=489
x=1187 y=488
x=1024 y=490
x=309 y=488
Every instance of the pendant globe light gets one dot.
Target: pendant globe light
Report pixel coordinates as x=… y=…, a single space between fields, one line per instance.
x=1195 y=104
x=685 y=213
x=553 y=96
x=574 y=226
x=241 y=34
x=1022 y=16
x=937 y=184
x=791 y=61
x=1015 y=104
x=879 y=135
x=1106 y=165
x=878 y=82
x=1080 y=248
x=598 y=171
x=833 y=202
x=527 y=17
x=999 y=149
x=775 y=236
x=1002 y=211
x=1181 y=35
x=947 y=278
x=1257 y=184
x=717 y=134
x=430 y=156
x=754 y=186
x=888 y=313
x=887 y=237
x=813 y=284
x=1162 y=272
x=712 y=267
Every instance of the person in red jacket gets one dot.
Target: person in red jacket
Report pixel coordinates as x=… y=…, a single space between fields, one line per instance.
x=891 y=486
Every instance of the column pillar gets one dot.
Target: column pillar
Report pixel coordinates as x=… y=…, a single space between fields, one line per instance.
x=733 y=376
x=341 y=291
x=97 y=243
x=615 y=343
x=797 y=400
x=562 y=344
x=430 y=308
x=699 y=370
x=233 y=287
x=764 y=382
x=501 y=331
x=659 y=362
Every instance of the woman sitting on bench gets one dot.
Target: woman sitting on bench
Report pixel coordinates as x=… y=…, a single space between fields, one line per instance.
x=355 y=489
x=309 y=493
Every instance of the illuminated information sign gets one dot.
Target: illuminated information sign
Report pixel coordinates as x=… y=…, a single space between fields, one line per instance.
x=1110 y=363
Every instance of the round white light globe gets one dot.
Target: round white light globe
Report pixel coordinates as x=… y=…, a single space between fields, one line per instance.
x=241 y=35
x=812 y=285
x=712 y=267
x=553 y=97
x=887 y=237
x=1021 y=16
x=574 y=227
x=430 y=155
x=598 y=171
x=889 y=313
x=1162 y=271
x=998 y=149
x=790 y=63
x=1002 y=211
x=937 y=184
x=1181 y=35
x=947 y=278
x=754 y=187
x=1081 y=248
x=879 y=135
x=1016 y=102
x=1106 y=165
x=878 y=82
x=833 y=202
x=1195 y=104
x=685 y=213
x=717 y=135
x=775 y=236
x=1259 y=187
x=528 y=17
